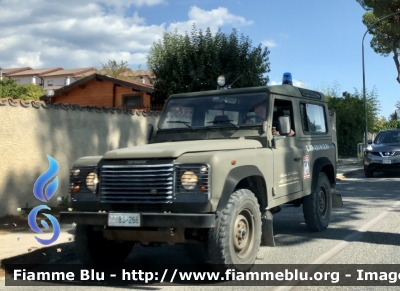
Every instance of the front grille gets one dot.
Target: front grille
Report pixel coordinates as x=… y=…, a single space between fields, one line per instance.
x=389 y=154
x=137 y=183
x=382 y=154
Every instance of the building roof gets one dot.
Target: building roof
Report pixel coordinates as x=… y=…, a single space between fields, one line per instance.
x=128 y=73
x=7 y=72
x=136 y=83
x=76 y=73
x=70 y=72
x=39 y=72
x=138 y=73
x=132 y=84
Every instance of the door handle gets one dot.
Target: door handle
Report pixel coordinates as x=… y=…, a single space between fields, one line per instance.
x=297 y=159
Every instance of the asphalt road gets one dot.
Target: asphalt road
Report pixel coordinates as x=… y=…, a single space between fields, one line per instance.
x=365 y=231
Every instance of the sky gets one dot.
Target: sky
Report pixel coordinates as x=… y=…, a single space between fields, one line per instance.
x=318 y=42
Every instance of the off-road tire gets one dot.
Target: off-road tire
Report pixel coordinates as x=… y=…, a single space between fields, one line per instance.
x=368 y=173
x=317 y=206
x=93 y=248
x=235 y=240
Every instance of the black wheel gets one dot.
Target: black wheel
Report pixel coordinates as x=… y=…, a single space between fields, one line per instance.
x=368 y=173
x=317 y=206
x=93 y=248
x=235 y=240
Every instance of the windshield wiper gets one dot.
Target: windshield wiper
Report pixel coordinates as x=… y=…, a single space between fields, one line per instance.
x=225 y=121
x=181 y=121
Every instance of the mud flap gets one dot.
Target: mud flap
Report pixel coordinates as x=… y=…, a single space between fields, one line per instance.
x=267 y=229
x=337 y=200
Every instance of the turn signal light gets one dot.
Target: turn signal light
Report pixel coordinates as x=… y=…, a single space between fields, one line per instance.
x=75 y=189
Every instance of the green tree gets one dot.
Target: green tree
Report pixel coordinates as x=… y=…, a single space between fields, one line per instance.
x=10 y=89
x=391 y=124
x=30 y=92
x=350 y=117
x=398 y=105
x=393 y=116
x=373 y=108
x=192 y=62
x=386 y=34
x=116 y=70
x=381 y=123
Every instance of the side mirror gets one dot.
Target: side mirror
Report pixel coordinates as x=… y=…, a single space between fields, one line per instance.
x=265 y=126
x=369 y=141
x=150 y=129
x=284 y=125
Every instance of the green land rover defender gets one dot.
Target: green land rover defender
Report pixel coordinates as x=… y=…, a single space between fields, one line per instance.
x=217 y=168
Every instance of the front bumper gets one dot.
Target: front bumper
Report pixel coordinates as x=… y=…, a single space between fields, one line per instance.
x=376 y=163
x=181 y=220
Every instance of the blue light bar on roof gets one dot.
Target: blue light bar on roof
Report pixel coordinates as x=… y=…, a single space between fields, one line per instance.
x=287 y=79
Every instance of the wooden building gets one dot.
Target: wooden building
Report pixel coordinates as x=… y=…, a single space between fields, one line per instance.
x=100 y=90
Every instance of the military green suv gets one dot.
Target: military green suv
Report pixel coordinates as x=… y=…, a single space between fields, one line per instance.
x=219 y=165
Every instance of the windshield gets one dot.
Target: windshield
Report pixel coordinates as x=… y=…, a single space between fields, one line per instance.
x=388 y=137
x=234 y=110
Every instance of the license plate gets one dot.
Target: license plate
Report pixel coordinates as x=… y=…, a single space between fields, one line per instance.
x=387 y=161
x=124 y=219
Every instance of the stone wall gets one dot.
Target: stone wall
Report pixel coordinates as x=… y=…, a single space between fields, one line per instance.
x=29 y=131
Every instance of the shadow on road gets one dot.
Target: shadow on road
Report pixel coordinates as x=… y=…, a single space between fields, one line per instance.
x=359 y=195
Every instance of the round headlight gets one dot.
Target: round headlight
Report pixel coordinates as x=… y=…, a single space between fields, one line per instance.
x=189 y=180
x=92 y=180
x=221 y=81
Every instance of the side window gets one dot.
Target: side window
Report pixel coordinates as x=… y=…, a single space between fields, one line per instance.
x=283 y=108
x=313 y=118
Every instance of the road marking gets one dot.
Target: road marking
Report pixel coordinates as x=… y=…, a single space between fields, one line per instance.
x=323 y=258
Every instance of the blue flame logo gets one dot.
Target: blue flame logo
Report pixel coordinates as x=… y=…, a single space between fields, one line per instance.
x=45 y=178
x=49 y=190
x=33 y=225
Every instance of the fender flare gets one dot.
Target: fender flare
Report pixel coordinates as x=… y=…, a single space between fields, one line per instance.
x=233 y=178
x=318 y=165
